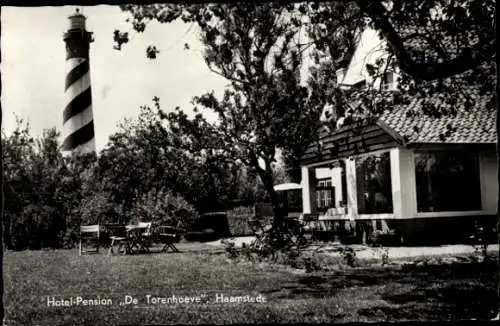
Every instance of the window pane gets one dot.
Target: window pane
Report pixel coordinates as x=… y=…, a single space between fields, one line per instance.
x=373 y=184
x=324 y=194
x=344 y=185
x=447 y=181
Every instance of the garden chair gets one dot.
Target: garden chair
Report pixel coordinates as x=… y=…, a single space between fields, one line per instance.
x=89 y=233
x=148 y=233
x=118 y=236
x=169 y=236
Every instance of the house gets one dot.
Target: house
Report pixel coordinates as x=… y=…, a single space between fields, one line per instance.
x=420 y=179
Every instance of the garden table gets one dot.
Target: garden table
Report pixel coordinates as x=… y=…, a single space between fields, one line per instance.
x=135 y=238
x=118 y=235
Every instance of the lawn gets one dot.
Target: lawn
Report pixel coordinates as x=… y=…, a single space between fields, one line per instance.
x=368 y=293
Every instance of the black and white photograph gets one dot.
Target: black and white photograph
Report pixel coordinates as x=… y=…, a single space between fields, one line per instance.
x=249 y=162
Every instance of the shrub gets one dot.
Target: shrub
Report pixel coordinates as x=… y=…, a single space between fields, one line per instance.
x=21 y=228
x=384 y=255
x=163 y=208
x=348 y=255
x=70 y=238
x=99 y=209
x=38 y=226
x=231 y=250
x=238 y=220
x=313 y=264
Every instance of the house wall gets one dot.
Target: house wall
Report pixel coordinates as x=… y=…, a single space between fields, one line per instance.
x=411 y=225
x=488 y=185
x=443 y=227
x=323 y=173
x=488 y=167
x=352 y=199
x=336 y=174
x=347 y=142
x=406 y=177
x=306 y=189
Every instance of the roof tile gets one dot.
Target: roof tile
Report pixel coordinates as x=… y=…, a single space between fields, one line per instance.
x=476 y=125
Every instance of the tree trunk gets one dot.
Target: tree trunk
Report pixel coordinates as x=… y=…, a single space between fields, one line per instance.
x=267 y=179
x=277 y=209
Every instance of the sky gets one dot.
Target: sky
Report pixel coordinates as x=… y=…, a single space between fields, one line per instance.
x=33 y=68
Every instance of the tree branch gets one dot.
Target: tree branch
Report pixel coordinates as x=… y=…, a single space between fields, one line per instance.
x=468 y=59
x=227 y=77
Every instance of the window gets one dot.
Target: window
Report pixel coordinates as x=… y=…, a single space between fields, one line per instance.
x=447 y=181
x=343 y=180
x=324 y=194
x=373 y=184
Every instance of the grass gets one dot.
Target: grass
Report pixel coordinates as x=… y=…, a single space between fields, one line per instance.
x=367 y=293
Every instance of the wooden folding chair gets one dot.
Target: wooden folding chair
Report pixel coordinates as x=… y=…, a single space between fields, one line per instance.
x=89 y=233
x=147 y=235
x=169 y=236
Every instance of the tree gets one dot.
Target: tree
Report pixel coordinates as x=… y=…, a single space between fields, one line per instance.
x=35 y=172
x=145 y=155
x=267 y=107
x=444 y=49
x=439 y=47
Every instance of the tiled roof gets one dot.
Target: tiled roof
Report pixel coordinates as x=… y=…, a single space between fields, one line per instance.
x=473 y=124
x=476 y=125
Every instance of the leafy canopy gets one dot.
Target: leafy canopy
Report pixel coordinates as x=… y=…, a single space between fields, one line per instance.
x=443 y=48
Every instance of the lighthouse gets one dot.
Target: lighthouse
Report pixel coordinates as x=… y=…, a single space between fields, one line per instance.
x=78 y=121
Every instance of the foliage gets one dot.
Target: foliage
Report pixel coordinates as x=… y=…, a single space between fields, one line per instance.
x=99 y=209
x=384 y=254
x=146 y=154
x=120 y=185
x=238 y=220
x=312 y=264
x=163 y=208
x=35 y=172
x=270 y=109
x=37 y=227
x=442 y=52
x=348 y=255
x=439 y=49
x=266 y=108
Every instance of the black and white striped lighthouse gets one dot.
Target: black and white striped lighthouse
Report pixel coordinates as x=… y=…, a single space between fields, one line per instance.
x=78 y=120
